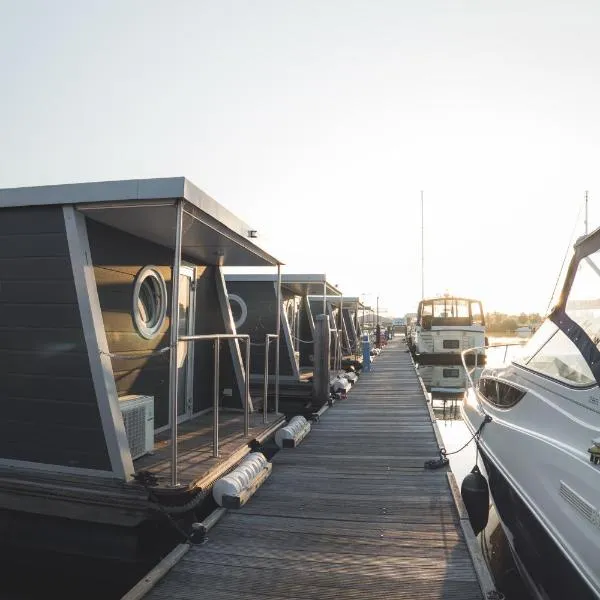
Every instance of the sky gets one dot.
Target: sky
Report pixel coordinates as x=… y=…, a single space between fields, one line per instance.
x=320 y=122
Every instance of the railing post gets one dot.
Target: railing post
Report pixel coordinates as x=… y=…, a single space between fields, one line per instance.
x=266 y=379
x=278 y=325
x=247 y=402
x=217 y=344
x=173 y=362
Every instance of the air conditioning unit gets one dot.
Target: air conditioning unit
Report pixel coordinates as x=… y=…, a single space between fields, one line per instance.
x=138 y=418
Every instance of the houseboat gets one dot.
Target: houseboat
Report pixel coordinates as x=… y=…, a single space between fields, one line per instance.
x=253 y=299
x=115 y=417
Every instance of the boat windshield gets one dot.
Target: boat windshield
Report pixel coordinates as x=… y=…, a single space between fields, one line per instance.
x=552 y=353
x=452 y=311
x=583 y=302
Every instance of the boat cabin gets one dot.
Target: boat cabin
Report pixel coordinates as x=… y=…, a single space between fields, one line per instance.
x=253 y=299
x=445 y=327
x=113 y=308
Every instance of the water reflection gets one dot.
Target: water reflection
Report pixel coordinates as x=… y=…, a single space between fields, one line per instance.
x=446 y=386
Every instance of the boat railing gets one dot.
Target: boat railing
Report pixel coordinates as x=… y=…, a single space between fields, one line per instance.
x=476 y=351
x=216 y=339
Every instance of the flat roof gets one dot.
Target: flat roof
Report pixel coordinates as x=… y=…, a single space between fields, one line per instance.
x=305 y=284
x=146 y=208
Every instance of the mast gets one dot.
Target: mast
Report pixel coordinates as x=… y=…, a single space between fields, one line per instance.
x=586 y=212
x=422 y=251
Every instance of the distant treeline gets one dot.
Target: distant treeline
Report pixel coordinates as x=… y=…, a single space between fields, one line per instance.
x=501 y=322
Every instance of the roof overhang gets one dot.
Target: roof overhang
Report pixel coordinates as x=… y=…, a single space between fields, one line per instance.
x=147 y=208
x=301 y=285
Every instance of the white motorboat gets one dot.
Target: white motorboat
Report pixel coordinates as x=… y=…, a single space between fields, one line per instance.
x=445 y=327
x=541 y=448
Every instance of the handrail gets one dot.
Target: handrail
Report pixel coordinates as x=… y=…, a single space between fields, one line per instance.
x=464 y=353
x=268 y=339
x=217 y=337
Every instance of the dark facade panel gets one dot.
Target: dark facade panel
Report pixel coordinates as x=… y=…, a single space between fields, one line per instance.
x=47 y=400
x=261 y=300
x=306 y=336
x=118 y=257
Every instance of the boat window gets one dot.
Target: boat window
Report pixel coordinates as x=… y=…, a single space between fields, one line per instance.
x=536 y=341
x=477 y=313
x=583 y=304
x=427 y=310
x=560 y=359
x=149 y=302
x=499 y=393
x=488 y=389
x=451 y=311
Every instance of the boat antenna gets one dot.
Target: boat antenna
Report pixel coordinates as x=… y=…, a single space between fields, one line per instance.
x=422 y=251
x=567 y=251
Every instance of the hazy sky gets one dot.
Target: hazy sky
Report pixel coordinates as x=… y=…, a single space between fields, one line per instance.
x=319 y=122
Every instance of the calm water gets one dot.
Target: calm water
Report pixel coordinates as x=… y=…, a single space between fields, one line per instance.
x=455 y=434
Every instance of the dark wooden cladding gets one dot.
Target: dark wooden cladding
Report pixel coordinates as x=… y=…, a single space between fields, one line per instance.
x=118 y=257
x=47 y=400
x=43 y=340
x=261 y=300
x=306 y=336
x=50 y=387
x=28 y=292
x=32 y=221
x=57 y=444
x=38 y=269
x=61 y=414
x=39 y=315
x=23 y=246
x=43 y=362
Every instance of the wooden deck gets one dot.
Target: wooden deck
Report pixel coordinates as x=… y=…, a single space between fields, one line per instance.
x=196 y=463
x=350 y=513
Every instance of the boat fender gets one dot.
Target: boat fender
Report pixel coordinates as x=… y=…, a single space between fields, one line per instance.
x=475 y=493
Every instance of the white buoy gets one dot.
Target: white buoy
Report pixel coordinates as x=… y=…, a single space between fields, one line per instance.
x=293 y=433
x=234 y=489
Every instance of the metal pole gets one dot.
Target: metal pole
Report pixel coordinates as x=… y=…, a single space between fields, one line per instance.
x=422 y=250
x=266 y=380
x=217 y=346
x=586 y=212
x=278 y=331
x=341 y=330
x=247 y=403
x=173 y=362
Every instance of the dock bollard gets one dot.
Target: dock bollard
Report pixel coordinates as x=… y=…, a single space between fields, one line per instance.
x=366 y=353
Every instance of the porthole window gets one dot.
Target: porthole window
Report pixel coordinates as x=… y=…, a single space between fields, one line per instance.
x=239 y=310
x=149 y=302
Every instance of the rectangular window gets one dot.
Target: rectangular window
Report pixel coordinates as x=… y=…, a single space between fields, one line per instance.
x=476 y=313
x=451 y=373
x=451 y=344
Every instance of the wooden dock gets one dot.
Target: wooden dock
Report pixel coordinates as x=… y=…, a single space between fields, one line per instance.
x=350 y=513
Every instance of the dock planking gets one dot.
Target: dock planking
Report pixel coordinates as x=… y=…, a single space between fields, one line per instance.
x=350 y=513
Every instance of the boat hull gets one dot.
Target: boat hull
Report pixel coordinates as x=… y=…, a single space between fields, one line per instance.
x=543 y=566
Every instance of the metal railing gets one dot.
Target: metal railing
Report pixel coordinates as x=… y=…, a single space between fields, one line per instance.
x=268 y=339
x=474 y=349
x=216 y=338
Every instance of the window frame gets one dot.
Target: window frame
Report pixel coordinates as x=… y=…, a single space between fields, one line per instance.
x=150 y=332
